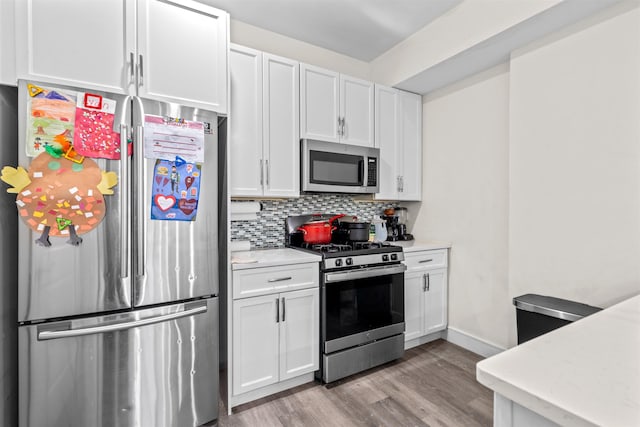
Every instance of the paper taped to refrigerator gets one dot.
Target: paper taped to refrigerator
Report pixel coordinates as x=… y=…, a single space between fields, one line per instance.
x=166 y=137
x=50 y=118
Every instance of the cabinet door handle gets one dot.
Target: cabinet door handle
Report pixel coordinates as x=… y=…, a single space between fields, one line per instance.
x=428 y=282
x=344 y=127
x=339 y=130
x=277 y=310
x=141 y=69
x=401 y=183
x=133 y=66
x=279 y=279
x=425 y=260
x=261 y=173
x=266 y=166
x=283 y=309
x=424 y=283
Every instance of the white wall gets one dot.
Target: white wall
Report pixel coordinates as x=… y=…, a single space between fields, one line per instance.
x=575 y=162
x=462 y=28
x=532 y=172
x=465 y=198
x=267 y=41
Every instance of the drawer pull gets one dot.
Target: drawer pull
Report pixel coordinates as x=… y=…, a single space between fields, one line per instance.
x=425 y=260
x=281 y=279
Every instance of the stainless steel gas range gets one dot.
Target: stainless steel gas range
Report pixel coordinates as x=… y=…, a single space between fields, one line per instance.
x=361 y=304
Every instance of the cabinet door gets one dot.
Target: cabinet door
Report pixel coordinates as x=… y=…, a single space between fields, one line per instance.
x=299 y=333
x=77 y=43
x=255 y=343
x=386 y=139
x=246 y=167
x=182 y=53
x=410 y=139
x=414 y=304
x=319 y=103
x=281 y=132
x=435 y=309
x=356 y=109
x=7 y=43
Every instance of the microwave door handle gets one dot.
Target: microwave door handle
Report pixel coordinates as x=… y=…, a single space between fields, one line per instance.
x=361 y=172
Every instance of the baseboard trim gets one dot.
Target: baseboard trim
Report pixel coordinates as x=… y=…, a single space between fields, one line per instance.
x=423 y=339
x=269 y=390
x=471 y=343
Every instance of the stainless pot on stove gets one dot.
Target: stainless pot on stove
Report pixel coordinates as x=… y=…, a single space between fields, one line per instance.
x=349 y=229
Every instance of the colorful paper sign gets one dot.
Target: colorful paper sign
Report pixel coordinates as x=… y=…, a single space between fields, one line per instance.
x=166 y=137
x=59 y=197
x=50 y=118
x=175 y=190
x=94 y=135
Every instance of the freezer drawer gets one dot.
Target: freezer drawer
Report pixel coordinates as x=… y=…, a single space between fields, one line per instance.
x=153 y=367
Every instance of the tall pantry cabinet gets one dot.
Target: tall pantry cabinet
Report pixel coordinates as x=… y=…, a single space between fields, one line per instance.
x=398 y=135
x=169 y=50
x=264 y=139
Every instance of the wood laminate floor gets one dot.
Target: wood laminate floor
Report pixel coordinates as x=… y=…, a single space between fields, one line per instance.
x=432 y=385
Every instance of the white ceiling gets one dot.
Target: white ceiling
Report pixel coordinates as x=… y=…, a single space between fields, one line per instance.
x=361 y=29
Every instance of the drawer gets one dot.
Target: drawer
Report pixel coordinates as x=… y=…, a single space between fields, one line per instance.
x=426 y=259
x=268 y=280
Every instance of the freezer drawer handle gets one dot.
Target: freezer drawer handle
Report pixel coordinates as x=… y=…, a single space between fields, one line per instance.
x=69 y=333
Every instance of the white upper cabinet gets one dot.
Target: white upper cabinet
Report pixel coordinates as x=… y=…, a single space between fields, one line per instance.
x=264 y=130
x=76 y=43
x=398 y=119
x=7 y=43
x=245 y=122
x=182 y=53
x=171 y=50
x=335 y=107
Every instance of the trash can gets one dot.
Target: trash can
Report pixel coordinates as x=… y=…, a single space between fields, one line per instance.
x=539 y=314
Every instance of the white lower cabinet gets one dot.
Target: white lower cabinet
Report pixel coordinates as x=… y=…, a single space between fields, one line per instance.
x=275 y=337
x=425 y=294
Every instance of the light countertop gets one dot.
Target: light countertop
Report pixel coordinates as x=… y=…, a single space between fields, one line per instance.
x=584 y=374
x=420 y=245
x=270 y=257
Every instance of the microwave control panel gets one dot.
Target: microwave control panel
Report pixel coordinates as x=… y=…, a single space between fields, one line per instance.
x=372 y=172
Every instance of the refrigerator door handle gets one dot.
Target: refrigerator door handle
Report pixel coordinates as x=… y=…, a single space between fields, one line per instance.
x=140 y=191
x=125 y=211
x=69 y=333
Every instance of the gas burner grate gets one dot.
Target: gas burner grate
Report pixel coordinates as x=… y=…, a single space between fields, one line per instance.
x=329 y=247
x=368 y=245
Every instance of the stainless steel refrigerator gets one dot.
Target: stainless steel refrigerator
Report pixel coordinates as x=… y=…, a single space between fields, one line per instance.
x=122 y=329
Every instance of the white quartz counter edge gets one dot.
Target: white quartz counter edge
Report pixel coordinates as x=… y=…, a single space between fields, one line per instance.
x=270 y=257
x=416 y=245
x=586 y=373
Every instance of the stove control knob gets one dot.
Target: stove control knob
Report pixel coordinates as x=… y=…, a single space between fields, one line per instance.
x=385 y=257
x=394 y=257
x=348 y=261
x=338 y=262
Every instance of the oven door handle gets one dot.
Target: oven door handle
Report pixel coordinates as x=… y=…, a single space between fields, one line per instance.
x=343 y=276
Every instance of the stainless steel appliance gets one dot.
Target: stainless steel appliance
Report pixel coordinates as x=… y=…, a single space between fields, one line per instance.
x=361 y=304
x=339 y=168
x=397 y=225
x=122 y=330
x=8 y=263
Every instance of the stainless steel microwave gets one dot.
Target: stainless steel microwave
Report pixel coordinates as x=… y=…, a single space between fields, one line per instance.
x=331 y=167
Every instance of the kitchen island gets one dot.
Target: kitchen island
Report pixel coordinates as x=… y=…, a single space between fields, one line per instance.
x=584 y=374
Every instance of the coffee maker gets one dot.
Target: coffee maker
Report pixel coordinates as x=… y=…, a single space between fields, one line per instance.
x=397 y=220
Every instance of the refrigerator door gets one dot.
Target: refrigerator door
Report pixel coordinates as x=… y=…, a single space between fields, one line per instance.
x=174 y=260
x=65 y=280
x=151 y=367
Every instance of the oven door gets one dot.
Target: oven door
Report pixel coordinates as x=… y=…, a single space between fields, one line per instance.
x=361 y=306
